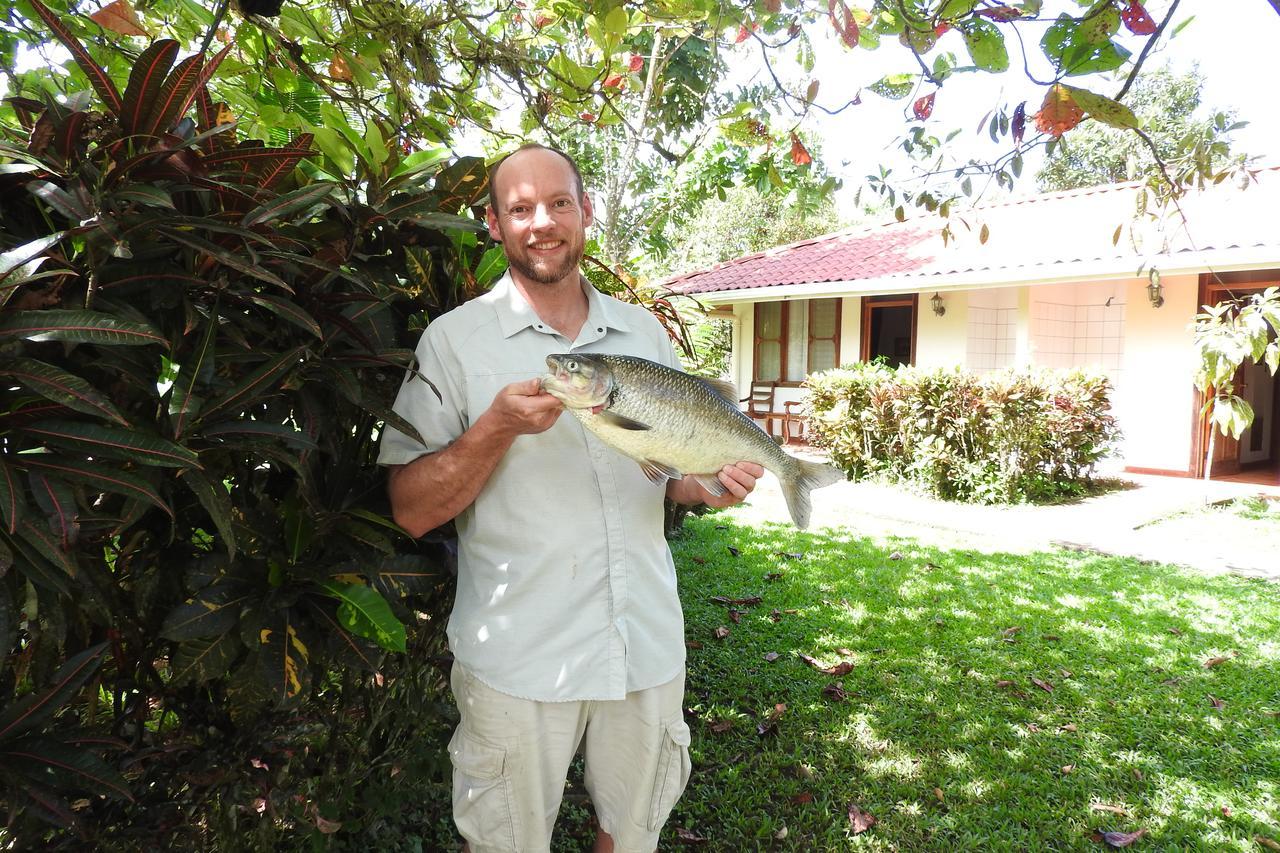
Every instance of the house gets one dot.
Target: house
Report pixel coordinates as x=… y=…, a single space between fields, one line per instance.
x=1067 y=279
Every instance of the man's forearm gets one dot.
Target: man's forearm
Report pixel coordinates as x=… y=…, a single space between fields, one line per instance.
x=433 y=489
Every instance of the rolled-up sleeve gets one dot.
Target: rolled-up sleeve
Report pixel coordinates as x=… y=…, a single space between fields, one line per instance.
x=438 y=419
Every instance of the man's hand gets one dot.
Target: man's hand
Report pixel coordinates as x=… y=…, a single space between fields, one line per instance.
x=738 y=479
x=523 y=408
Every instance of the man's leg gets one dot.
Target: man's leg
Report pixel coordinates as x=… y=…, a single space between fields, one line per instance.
x=510 y=759
x=637 y=752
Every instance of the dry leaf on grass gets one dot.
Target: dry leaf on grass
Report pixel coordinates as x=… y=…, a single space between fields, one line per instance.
x=937 y=792
x=835 y=691
x=802 y=798
x=1067 y=727
x=1217 y=703
x=1212 y=662
x=749 y=601
x=688 y=836
x=1068 y=769
x=860 y=821
x=1121 y=839
x=1269 y=843
x=1043 y=685
x=722 y=632
x=771 y=656
x=1107 y=807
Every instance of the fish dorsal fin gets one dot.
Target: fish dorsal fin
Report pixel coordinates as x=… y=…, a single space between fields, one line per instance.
x=724 y=388
x=659 y=473
x=622 y=421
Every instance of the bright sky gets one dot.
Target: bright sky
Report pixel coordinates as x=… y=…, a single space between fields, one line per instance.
x=1233 y=42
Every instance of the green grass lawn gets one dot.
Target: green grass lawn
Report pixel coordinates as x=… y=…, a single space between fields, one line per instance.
x=995 y=702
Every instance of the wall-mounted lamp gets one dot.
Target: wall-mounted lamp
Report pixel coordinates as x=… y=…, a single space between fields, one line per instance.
x=936 y=302
x=1154 y=291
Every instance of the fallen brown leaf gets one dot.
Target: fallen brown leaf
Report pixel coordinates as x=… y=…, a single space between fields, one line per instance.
x=773 y=576
x=1052 y=637
x=771 y=656
x=1043 y=685
x=937 y=792
x=1226 y=811
x=801 y=798
x=781 y=834
x=860 y=821
x=721 y=726
x=1066 y=673
x=1011 y=630
x=1068 y=769
x=1122 y=839
x=701 y=561
x=1137 y=774
x=1033 y=728
x=1003 y=683
x=1067 y=727
x=1212 y=662
x=1107 y=807
x=749 y=601
x=835 y=691
x=692 y=644
x=722 y=632
x=1175 y=632
x=845 y=652
x=896 y=555
x=688 y=836
x=734 y=551
x=1269 y=843
x=776 y=615
x=1217 y=703
x=735 y=616
x=790 y=555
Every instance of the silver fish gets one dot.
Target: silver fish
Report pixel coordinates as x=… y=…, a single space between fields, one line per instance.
x=675 y=424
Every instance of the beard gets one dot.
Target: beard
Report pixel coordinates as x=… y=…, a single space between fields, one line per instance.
x=545 y=271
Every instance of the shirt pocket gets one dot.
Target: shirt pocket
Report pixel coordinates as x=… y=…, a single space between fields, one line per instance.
x=482 y=385
x=673 y=773
x=482 y=793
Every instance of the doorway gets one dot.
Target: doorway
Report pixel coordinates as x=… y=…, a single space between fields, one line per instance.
x=889 y=329
x=1255 y=456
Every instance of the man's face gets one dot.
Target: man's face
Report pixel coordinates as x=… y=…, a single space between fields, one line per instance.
x=539 y=217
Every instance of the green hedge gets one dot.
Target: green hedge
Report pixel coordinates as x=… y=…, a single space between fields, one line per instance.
x=1004 y=437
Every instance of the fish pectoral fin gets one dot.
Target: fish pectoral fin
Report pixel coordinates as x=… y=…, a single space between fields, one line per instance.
x=711 y=482
x=622 y=421
x=657 y=472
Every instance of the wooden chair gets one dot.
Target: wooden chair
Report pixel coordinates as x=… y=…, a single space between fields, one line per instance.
x=760 y=404
x=792 y=416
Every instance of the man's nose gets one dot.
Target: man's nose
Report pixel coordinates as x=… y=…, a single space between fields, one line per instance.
x=541 y=216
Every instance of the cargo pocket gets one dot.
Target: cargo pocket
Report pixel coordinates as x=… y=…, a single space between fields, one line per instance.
x=672 y=774
x=482 y=806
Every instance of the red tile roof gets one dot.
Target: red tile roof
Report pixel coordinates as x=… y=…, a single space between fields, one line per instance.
x=1030 y=238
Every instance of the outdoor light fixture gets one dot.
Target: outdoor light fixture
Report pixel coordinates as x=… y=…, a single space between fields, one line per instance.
x=1154 y=291
x=936 y=302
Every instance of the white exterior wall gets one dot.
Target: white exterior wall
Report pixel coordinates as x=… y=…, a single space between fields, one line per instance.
x=942 y=341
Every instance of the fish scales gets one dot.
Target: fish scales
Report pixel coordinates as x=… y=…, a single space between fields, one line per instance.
x=676 y=423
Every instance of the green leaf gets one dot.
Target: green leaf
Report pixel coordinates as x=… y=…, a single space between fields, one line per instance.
x=93 y=327
x=284 y=432
x=211 y=612
x=986 y=45
x=35 y=708
x=894 y=86
x=215 y=500
x=282 y=655
x=1068 y=46
x=99 y=476
x=290 y=311
x=201 y=661
x=418 y=267
x=130 y=445
x=18 y=264
x=183 y=403
x=1103 y=108
x=336 y=148
x=492 y=265
x=258 y=383
x=102 y=84
x=288 y=203
x=11 y=503
x=224 y=256
x=61 y=387
x=366 y=614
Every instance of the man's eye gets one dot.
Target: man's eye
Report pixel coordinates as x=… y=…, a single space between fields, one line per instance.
x=564 y=202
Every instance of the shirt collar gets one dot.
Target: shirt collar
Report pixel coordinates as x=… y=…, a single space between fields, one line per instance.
x=515 y=314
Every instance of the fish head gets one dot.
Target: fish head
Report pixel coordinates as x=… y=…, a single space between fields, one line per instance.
x=578 y=380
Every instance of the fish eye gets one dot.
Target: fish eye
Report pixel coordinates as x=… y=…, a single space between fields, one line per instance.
x=571 y=365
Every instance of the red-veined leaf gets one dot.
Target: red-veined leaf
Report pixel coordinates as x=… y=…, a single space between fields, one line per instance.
x=288 y=310
x=61 y=387
x=259 y=429
x=66 y=682
x=145 y=81
x=357 y=649
x=10 y=499
x=99 y=476
x=71 y=766
x=58 y=500
x=129 y=445
x=68 y=132
x=41 y=539
x=224 y=256
x=299 y=149
x=180 y=90
x=257 y=383
x=91 y=327
x=98 y=78
x=183 y=403
x=48 y=806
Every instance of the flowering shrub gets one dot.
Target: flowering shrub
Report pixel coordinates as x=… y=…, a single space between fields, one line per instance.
x=1004 y=437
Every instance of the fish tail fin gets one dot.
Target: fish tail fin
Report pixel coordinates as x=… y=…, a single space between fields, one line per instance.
x=807 y=476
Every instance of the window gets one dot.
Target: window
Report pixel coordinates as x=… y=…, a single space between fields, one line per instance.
x=794 y=339
x=889 y=329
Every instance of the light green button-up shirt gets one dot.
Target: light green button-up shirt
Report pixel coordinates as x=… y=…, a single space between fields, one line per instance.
x=566 y=586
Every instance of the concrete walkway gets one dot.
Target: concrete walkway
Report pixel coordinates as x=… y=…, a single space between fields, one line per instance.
x=1160 y=519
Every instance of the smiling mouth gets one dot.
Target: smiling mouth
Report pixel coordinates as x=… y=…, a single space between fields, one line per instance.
x=546 y=246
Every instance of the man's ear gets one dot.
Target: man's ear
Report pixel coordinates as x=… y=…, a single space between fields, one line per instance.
x=491 y=219
x=588 y=214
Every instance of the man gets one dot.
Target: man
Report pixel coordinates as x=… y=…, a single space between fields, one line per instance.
x=566 y=628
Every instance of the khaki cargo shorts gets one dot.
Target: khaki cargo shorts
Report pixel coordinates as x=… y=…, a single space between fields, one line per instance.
x=511 y=757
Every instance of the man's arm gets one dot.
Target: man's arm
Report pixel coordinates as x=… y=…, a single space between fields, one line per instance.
x=739 y=479
x=432 y=489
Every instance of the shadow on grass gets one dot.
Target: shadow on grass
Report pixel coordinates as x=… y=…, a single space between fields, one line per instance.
x=996 y=702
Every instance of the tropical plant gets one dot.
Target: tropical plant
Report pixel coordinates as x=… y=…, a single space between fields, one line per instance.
x=1226 y=336
x=200 y=337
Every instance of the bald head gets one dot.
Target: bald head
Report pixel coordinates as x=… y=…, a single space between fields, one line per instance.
x=540 y=154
